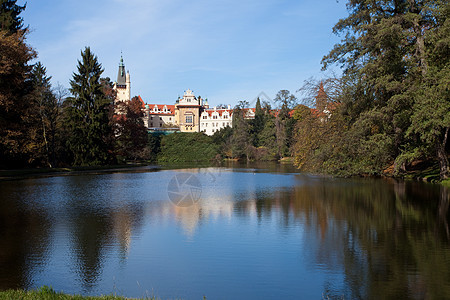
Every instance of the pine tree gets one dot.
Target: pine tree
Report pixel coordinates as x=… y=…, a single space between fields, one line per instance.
x=387 y=59
x=18 y=122
x=48 y=109
x=240 y=140
x=9 y=16
x=282 y=124
x=88 y=114
x=257 y=123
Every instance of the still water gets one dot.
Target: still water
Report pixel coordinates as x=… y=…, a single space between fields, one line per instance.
x=250 y=233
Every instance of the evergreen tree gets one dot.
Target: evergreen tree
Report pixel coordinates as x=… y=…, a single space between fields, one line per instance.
x=88 y=114
x=431 y=114
x=9 y=16
x=267 y=137
x=387 y=56
x=18 y=118
x=241 y=139
x=48 y=111
x=257 y=123
x=282 y=124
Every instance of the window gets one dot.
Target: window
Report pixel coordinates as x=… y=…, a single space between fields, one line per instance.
x=217 y=124
x=214 y=117
x=225 y=116
x=151 y=118
x=151 y=124
x=160 y=118
x=188 y=119
x=204 y=117
x=213 y=124
x=206 y=124
x=170 y=118
x=223 y=124
x=160 y=124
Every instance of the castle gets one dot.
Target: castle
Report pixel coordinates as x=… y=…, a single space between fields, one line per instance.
x=188 y=114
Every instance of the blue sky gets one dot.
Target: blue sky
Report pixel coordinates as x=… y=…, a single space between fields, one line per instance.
x=224 y=50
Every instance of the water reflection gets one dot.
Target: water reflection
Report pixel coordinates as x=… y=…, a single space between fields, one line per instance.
x=390 y=239
x=25 y=236
x=253 y=234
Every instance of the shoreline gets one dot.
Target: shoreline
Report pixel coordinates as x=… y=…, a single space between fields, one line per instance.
x=427 y=175
x=15 y=174
x=48 y=293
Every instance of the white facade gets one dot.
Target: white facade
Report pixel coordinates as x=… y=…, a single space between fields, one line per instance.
x=213 y=120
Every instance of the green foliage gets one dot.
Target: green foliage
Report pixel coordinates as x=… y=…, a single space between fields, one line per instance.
x=223 y=138
x=241 y=141
x=49 y=110
x=10 y=20
x=48 y=293
x=87 y=114
x=153 y=146
x=393 y=98
x=187 y=147
x=267 y=138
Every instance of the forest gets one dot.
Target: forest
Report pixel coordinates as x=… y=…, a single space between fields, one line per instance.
x=388 y=112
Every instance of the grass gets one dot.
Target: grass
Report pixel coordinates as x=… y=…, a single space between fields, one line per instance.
x=446 y=182
x=47 y=293
x=425 y=171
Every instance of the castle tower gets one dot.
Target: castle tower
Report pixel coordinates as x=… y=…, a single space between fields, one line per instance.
x=123 y=83
x=187 y=112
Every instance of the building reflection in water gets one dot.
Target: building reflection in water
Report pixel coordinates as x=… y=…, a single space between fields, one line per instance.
x=373 y=238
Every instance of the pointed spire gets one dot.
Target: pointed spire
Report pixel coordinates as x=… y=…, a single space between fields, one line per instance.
x=121 y=80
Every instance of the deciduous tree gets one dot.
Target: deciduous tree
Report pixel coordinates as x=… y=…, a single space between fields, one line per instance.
x=131 y=134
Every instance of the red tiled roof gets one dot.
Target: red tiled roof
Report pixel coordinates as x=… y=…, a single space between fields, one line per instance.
x=170 y=109
x=142 y=101
x=220 y=111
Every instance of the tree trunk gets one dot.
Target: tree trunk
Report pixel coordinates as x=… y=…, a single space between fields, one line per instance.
x=442 y=156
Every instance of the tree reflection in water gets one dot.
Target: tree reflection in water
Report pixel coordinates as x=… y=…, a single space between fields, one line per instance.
x=385 y=239
x=391 y=240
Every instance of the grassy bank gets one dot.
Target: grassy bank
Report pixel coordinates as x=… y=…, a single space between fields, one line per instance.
x=47 y=293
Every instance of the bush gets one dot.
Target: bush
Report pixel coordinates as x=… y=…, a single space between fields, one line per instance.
x=187 y=147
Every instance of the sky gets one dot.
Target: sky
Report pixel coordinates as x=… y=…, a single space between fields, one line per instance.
x=224 y=50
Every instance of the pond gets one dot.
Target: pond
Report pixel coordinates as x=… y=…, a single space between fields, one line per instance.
x=253 y=232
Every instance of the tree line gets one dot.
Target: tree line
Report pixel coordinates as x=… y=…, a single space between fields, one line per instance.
x=45 y=126
x=391 y=106
x=387 y=112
